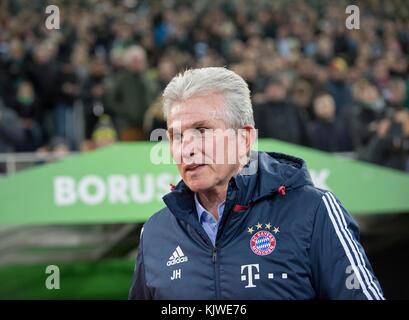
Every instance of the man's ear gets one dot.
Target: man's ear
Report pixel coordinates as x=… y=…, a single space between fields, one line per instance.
x=247 y=136
x=250 y=136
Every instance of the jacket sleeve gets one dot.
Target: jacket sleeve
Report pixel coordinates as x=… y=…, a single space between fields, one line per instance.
x=139 y=289
x=340 y=267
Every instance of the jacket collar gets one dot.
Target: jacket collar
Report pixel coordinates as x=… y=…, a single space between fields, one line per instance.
x=260 y=178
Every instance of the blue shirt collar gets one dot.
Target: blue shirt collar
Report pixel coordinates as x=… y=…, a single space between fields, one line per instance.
x=201 y=210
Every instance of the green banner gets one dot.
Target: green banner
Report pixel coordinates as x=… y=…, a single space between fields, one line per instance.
x=121 y=184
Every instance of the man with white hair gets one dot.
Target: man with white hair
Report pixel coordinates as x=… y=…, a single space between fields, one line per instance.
x=132 y=93
x=242 y=224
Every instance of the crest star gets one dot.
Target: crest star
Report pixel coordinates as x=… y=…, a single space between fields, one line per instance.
x=250 y=230
x=268 y=225
x=259 y=226
x=276 y=230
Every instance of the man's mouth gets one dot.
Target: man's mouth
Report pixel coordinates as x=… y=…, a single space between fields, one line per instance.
x=192 y=167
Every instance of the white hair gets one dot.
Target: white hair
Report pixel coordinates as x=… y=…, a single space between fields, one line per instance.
x=196 y=82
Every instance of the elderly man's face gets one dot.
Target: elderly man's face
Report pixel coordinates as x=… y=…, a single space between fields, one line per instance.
x=201 y=141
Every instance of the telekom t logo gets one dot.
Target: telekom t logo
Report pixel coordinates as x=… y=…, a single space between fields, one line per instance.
x=250 y=276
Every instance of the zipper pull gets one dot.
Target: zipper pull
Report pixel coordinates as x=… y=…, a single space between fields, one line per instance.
x=214 y=257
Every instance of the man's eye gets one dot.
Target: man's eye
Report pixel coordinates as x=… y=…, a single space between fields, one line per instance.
x=202 y=130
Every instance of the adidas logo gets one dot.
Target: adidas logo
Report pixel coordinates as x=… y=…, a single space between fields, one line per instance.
x=177 y=257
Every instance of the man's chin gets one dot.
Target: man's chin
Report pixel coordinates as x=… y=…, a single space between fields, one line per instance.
x=198 y=185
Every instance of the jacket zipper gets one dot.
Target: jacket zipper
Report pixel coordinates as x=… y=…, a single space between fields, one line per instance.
x=214 y=259
x=216 y=273
x=215 y=262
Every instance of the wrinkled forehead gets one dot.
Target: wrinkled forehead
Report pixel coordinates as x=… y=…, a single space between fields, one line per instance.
x=204 y=111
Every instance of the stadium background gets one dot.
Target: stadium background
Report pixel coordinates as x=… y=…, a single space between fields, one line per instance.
x=81 y=100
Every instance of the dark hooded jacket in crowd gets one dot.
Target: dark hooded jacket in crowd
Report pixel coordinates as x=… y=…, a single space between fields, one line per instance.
x=66 y=76
x=11 y=130
x=390 y=151
x=357 y=119
x=44 y=76
x=280 y=120
x=326 y=136
x=341 y=92
x=94 y=103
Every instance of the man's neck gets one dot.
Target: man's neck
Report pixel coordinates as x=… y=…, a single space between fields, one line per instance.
x=210 y=200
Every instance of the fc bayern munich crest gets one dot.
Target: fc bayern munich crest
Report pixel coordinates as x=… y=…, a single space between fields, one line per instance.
x=262 y=243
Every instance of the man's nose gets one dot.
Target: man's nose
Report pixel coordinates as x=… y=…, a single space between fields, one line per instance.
x=188 y=147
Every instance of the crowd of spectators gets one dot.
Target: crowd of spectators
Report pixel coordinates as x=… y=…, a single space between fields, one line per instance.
x=98 y=78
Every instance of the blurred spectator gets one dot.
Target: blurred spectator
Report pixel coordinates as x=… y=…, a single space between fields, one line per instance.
x=390 y=145
x=154 y=118
x=68 y=90
x=11 y=130
x=324 y=130
x=95 y=93
x=302 y=99
x=132 y=93
x=26 y=105
x=337 y=84
x=13 y=69
x=42 y=72
x=277 y=117
x=302 y=96
x=368 y=108
x=104 y=133
x=395 y=93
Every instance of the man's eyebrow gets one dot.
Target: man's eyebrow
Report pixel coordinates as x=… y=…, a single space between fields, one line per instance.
x=196 y=124
x=201 y=123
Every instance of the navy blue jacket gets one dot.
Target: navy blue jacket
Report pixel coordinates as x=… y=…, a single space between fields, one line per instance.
x=279 y=238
